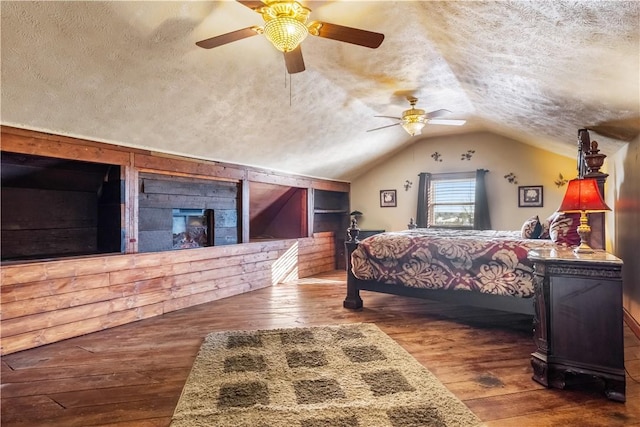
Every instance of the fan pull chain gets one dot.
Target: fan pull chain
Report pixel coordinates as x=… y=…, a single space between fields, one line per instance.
x=286 y=73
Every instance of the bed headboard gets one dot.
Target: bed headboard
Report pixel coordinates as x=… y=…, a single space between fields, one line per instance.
x=590 y=160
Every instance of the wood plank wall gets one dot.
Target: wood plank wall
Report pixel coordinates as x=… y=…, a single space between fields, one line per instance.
x=48 y=301
x=159 y=194
x=45 y=302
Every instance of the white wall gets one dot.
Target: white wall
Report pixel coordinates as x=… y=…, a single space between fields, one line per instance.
x=623 y=196
x=500 y=155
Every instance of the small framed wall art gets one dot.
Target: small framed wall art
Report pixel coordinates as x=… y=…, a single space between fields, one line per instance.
x=388 y=198
x=530 y=196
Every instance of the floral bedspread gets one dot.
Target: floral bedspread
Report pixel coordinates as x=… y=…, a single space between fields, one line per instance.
x=488 y=261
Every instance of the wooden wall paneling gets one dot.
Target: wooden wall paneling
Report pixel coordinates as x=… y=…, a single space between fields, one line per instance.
x=59 y=332
x=155 y=240
x=159 y=195
x=48 y=242
x=155 y=218
x=331 y=213
x=73 y=208
x=304 y=212
x=278 y=179
x=317 y=255
x=244 y=231
x=180 y=201
x=225 y=236
x=45 y=288
x=327 y=185
x=48 y=222
x=225 y=227
x=310 y=215
x=48 y=301
x=225 y=218
x=130 y=208
x=37 y=143
x=235 y=287
x=161 y=163
x=194 y=187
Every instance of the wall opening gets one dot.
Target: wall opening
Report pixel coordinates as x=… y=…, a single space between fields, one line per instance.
x=58 y=208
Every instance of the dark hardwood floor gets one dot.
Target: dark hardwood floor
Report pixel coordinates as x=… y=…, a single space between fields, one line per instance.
x=132 y=375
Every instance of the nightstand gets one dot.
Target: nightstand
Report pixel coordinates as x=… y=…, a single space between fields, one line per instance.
x=578 y=329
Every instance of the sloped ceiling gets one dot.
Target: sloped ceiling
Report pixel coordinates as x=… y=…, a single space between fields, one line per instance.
x=130 y=73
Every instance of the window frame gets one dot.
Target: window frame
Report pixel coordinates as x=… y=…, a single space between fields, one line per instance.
x=451 y=176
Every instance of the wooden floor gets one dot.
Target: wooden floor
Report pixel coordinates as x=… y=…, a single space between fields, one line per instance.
x=132 y=375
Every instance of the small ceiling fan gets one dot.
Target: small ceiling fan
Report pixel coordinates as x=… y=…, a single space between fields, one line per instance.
x=285 y=26
x=414 y=119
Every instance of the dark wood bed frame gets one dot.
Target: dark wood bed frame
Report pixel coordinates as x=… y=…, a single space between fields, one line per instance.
x=589 y=162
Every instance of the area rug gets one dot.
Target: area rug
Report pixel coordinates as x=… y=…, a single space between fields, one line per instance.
x=332 y=376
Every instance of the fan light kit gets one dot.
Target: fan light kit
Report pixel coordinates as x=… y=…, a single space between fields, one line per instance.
x=414 y=119
x=285 y=26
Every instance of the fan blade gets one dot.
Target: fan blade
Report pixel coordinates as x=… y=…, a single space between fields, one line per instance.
x=228 y=38
x=294 y=60
x=252 y=4
x=437 y=113
x=346 y=34
x=447 y=122
x=390 y=117
x=383 y=127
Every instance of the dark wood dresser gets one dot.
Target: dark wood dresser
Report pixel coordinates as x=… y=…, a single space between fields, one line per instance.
x=578 y=320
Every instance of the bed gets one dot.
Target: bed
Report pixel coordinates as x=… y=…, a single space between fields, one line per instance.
x=485 y=268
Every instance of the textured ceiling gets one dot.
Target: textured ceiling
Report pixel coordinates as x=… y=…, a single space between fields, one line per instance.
x=130 y=73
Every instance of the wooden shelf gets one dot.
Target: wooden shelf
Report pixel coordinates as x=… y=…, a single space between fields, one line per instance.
x=330 y=211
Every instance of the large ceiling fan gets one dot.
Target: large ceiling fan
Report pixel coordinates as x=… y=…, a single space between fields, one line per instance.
x=285 y=25
x=414 y=119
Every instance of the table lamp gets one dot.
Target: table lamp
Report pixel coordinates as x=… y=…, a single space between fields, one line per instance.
x=583 y=196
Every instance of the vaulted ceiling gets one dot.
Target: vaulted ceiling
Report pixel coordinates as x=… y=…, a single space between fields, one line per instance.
x=130 y=73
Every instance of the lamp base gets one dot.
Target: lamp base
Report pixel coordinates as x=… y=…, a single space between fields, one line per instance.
x=584 y=231
x=583 y=249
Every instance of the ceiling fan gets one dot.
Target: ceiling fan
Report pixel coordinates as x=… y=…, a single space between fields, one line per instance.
x=285 y=26
x=414 y=119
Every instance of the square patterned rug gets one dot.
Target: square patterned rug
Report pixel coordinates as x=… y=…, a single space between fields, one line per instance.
x=333 y=376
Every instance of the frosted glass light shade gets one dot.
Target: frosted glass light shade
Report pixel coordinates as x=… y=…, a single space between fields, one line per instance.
x=285 y=32
x=413 y=124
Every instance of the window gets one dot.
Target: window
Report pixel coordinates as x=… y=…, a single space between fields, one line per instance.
x=451 y=201
x=455 y=200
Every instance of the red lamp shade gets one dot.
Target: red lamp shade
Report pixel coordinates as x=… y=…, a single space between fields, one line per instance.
x=583 y=195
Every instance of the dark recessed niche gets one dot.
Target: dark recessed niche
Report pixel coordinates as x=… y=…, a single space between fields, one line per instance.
x=277 y=211
x=58 y=208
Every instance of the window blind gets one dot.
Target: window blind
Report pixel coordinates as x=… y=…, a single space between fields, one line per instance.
x=451 y=201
